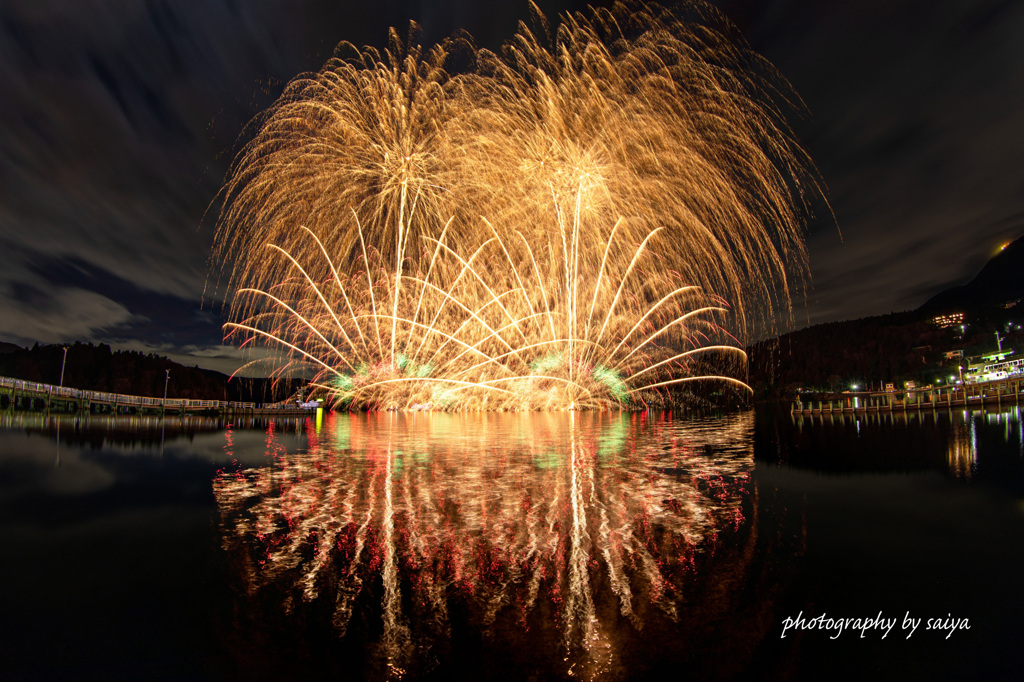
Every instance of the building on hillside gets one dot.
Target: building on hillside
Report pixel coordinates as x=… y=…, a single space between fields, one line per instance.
x=948 y=320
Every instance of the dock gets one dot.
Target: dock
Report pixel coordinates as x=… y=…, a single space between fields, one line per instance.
x=986 y=394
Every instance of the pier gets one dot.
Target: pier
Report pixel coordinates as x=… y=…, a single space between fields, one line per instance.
x=1005 y=391
x=17 y=395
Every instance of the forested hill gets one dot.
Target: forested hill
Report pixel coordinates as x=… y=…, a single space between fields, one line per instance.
x=874 y=350
x=869 y=351
x=98 y=368
x=900 y=346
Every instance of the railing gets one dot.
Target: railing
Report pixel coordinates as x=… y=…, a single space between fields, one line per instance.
x=122 y=399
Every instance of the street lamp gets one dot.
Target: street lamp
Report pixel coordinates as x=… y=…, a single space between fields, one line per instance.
x=167 y=380
x=62 y=363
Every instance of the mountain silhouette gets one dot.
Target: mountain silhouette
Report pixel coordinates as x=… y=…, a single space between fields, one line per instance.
x=1000 y=284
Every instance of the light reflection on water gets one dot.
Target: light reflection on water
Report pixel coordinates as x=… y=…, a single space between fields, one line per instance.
x=565 y=526
x=507 y=546
x=961 y=427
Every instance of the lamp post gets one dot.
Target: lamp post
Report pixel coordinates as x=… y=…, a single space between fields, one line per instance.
x=167 y=380
x=49 y=394
x=62 y=364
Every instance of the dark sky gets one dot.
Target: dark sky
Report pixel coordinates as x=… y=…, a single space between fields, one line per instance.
x=118 y=119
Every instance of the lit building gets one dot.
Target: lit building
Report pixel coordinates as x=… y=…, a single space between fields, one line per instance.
x=948 y=320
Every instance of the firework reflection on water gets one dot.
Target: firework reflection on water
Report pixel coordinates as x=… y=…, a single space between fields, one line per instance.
x=564 y=529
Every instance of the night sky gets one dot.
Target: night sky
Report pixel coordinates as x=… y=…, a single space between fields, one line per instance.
x=119 y=118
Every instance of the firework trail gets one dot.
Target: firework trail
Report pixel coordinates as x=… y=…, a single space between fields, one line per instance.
x=556 y=225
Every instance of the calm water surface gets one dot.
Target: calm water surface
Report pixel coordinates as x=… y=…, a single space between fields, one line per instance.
x=540 y=546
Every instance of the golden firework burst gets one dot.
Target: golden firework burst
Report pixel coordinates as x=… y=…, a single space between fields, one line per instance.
x=556 y=226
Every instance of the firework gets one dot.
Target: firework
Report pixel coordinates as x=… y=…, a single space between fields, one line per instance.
x=556 y=226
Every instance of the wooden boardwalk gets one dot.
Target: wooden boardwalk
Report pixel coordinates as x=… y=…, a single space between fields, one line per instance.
x=29 y=396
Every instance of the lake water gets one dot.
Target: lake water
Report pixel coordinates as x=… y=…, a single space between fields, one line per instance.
x=654 y=545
